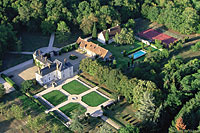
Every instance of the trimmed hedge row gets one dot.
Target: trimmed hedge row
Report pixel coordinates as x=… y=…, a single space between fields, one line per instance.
x=9 y=81
x=69 y=48
x=134 y=50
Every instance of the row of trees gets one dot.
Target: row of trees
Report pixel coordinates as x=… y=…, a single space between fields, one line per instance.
x=179 y=15
x=132 y=89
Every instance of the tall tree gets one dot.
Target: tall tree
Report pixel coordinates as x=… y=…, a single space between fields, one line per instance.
x=75 y=125
x=107 y=36
x=147 y=108
x=2 y=90
x=94 y=32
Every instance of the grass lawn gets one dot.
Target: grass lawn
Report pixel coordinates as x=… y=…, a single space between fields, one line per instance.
x=33 y=41
x=55 y=97
x=122 y=62
x=93 y=99
x=67 y=109
x=73 y=36
x=10 y=60
x=75 y=87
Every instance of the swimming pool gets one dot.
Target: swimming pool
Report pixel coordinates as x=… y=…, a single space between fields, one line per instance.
x=137 y=54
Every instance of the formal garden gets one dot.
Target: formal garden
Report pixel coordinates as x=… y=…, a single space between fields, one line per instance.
x=70 y=107
x=93 y=99
x=75 y=87
x=55 y=97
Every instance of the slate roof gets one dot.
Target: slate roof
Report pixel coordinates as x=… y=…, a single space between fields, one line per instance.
x=112 y=31
x=48 y=69
x=38 y=52
x=44 y=60
x=90 y=46
x=53 y=66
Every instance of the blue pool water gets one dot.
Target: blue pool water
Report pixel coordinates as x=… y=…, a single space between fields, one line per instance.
x=137 y=54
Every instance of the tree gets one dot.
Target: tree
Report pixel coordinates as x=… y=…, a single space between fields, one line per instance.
x=196 y=47
x=107 y=36
x=105 y=129
x=17 y=111
x=94 y=32
x=26 y=85
x=48 y=27
x=62 y=31
x=126 y=36
x=180 y=125
x=114 y=63
x=147 y=108
x=75 y=122
x=2 y=90
x=87 y=23
x=19 y=45
x=129 y=129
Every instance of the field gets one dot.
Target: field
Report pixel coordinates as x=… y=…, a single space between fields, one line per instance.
x=10 y=60
x=55 y=97
x=75 y=87
x=152 y=34
x=70 y=107
x=93 y=99
x=33 y=41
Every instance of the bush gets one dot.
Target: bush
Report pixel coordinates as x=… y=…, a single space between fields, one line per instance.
x=73 y=57
x=134 y=50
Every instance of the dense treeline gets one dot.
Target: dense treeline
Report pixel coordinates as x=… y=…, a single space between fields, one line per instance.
x=61 y=16
x=190 y=114
x=144 y=95
x=179 y=15
x=179 y=83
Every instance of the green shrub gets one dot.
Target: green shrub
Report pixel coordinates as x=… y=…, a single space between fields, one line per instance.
x=73 y=57
x=7 y=79
x=134 y=50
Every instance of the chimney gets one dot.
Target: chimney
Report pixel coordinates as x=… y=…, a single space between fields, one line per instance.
x=57 y=65
x=38 y=70
x=49 y=65
x=38 y=52
x=41 y=56
x=65 y=60
x=45 y=58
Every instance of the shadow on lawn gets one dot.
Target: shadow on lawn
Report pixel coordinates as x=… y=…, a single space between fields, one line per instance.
x=5 y=125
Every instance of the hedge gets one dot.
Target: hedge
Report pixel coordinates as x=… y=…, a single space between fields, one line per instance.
x=69 y=48
x=134 y=50
x=7 y=79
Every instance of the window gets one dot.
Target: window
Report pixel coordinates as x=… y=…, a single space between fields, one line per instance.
x=49 y=78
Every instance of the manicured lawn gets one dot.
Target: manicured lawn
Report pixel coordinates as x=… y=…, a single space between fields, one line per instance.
x=122 y=62
x=93 y=99
x=75 y=87
x=67 y=109
x=33 y=41
x=55 y=97
x=10 y=60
